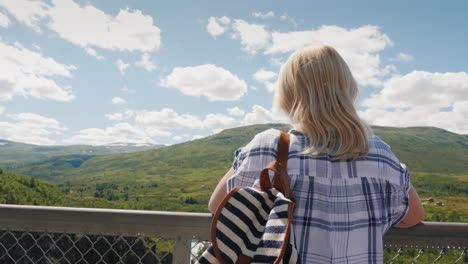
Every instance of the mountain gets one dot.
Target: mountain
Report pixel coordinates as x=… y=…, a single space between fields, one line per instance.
x=21 y=157
x=181 y=177
x=131 y=147
x=427 y=149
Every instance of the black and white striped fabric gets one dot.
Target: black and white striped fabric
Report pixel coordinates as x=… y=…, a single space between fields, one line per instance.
x=252 y=226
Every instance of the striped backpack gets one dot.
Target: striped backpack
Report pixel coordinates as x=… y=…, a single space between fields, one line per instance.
x=255 y=226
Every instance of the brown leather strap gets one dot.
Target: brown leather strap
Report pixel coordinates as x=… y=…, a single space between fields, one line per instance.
x=283 y=150
x=279 y=167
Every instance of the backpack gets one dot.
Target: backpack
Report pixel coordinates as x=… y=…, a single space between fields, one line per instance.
x=255 y=226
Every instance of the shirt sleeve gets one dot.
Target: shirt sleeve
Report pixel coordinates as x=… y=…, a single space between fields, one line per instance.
x=250 y=160
x=400 y=198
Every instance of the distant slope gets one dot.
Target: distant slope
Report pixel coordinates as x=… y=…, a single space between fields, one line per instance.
x=422 y=149
x=15 y=152
x=181 y=177
x=427 y=149
x=14 y=155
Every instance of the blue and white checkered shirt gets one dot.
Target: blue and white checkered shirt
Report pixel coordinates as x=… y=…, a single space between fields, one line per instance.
x=343 y=207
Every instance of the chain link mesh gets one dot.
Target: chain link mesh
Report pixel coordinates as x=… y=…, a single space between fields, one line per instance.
x=52 y=248
x=412 y=255
x=57 y=248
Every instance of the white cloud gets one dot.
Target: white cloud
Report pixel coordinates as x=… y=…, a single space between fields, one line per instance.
x=2 y=109
x=118 y=100
x=119 y=116
x=122 y=66
x=27 y=12
x=262 y=75
x=359 y=47
x=263 y=15
x=236 y=111
x=160 y=122
x=261 y=115
x=218 y=122
x=129 y=30
x=403 y=57
x=267 y=78
x=4 y=20
x=285 y=17
x=148 y=124
x=216 y=83
x=93 y=52
x=253 y=37
x=29 y=73
x=217 y=25
x=118 y=133
x=88 y=26
x=421 y=99
x=31 y=128
x=146 y=63
x=278 y=62
x=114 y=116
x=166 y=118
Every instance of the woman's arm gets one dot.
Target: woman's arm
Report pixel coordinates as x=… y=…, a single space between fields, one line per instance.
x=219 y=192
x=415 y=212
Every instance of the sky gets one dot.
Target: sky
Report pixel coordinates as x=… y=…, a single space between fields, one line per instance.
x=163 y=72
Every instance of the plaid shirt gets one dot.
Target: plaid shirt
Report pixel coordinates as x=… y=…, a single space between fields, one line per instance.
x=343 y=207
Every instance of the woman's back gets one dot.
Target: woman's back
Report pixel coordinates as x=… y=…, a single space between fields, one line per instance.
x=343 y=207
x=349 y=187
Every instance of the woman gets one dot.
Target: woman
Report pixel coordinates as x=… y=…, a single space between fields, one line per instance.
x=348 y=185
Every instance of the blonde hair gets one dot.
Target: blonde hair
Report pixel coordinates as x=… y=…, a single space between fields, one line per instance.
x=317 y=90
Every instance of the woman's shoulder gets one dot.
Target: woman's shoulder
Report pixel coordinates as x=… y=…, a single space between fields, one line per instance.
x=377 y=145
x=264 y=139
x=382 y=150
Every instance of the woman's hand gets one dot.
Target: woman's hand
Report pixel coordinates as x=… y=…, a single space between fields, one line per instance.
x=219 y=192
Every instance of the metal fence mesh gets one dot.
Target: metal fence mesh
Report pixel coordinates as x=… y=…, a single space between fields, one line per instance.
x=424 y=255
x=48 y=248
x=51 y=248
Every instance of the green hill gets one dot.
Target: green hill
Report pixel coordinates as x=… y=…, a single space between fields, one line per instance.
x=14 y=152
x=17 y=189
x=427 y=149
x=37 y=160
x=181 y=177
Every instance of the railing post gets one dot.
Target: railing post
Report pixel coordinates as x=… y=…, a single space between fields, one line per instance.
x=181 y=254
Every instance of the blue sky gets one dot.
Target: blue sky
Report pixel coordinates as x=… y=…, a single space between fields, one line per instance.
x=100 y=72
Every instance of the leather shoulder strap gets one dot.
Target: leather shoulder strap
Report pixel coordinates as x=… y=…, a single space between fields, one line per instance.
x=279 y=167
x=283 y=149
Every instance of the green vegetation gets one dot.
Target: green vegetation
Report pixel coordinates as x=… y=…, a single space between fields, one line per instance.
x=17 y=189
x=428 y=149
x=181 y=177
x=16 y=156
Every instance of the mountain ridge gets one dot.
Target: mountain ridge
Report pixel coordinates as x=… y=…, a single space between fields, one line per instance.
x=421 y=148
x=181 y=177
